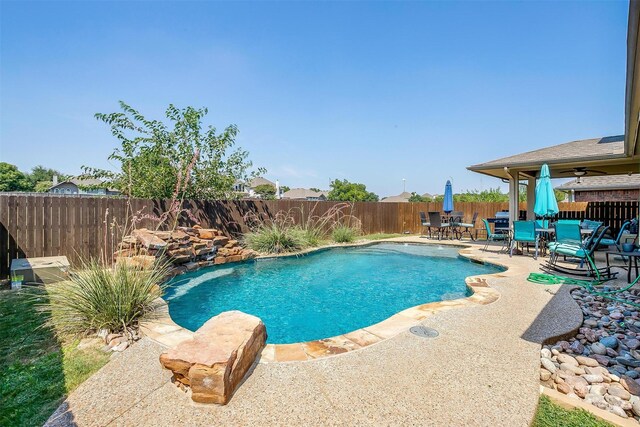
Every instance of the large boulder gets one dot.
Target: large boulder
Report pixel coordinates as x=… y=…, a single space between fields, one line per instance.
x=218 y=356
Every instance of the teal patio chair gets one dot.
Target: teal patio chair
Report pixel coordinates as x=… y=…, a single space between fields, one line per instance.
x=524 y=232
x=569 y=247
x=616 y=242
x=494 y=237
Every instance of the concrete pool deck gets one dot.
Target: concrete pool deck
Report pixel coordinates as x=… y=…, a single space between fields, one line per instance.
x=483 y=369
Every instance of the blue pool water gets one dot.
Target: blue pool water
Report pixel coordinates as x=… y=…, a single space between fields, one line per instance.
x=326 y=293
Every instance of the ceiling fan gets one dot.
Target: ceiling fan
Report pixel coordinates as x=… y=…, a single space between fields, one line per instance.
x=582 y=171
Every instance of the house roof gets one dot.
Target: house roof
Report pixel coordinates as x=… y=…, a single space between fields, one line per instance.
x=428 y=196
x=605 y=154
x=604 y=182
x=303 y=193
x=89 y=182
x=400 y=198
x=574 y=150
x=632 y=90
x=255 y=182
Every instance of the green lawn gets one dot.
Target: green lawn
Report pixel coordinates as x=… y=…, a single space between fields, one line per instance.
x=38 y=368
x=551 y=415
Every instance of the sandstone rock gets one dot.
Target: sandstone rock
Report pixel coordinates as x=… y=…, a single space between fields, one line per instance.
x=596 y=400
x=148 y=240
x=564 y=388
x=619 y=391
x=618 y=411
x=207 y=233
x=593 y=379
x=220 y=240
x=599 y=370
x=548 y=365
x=598 y=389
x=577 y=370
x=544 y=375
x=217 y=358
x=545 y=352
x=121 y=347
x=587 y=361
x=635 y=407
x=569 y=360
x=116 y=341
x=630 y=385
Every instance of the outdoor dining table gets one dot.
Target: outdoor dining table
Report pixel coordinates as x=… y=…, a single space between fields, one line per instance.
x=630 y=258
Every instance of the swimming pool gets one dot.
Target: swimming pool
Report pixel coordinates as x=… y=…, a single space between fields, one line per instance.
x=326 y=293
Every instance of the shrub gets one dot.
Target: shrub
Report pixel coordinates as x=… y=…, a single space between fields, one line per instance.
x=98 y=297
x=344 y=233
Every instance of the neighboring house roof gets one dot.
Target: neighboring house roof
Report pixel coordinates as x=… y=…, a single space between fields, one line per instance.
x=255 y=182
x=586 y=149
x=303 y=193
x=428 y=196
x=604 y=182
x=402 y=197
x=91 y=182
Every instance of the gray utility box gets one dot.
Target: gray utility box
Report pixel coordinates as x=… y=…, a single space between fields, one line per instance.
x=38 y=270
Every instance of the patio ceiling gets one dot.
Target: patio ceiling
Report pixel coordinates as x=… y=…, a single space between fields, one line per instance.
x=613 y=155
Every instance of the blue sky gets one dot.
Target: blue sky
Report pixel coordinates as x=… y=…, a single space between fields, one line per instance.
x=372 y=92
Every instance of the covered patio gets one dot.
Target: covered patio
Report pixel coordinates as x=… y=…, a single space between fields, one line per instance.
x=609 y=155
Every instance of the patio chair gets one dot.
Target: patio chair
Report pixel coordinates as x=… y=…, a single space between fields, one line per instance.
x=616 y=242
x=580 y=250
x=424 y=222
x=524 y=232
x=494 y=237
x=455 y=218
x=591 y=225
x=468 y=226
x=435 y=221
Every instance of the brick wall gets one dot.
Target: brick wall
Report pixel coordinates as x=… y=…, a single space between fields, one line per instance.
x=607 y=196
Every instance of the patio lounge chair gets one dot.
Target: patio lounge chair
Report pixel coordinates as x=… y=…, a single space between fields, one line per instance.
x=524 y=232
x=494 y=237
x=468 y=226
x=424 y=222
x=581 y=250
x=435 y=221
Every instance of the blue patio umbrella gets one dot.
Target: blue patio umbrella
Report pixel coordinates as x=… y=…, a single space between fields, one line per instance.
x=447 y=204
x=546 y=203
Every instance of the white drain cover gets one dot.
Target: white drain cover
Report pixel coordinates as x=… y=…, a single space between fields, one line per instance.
x=423 y=331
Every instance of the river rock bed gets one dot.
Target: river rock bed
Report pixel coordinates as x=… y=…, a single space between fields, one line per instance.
x=600 y=364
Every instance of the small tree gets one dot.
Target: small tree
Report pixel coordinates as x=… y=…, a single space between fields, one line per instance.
x=152 y=153
x=284 y=188
x=415 y=197
x=266 y=191
x=343 y=190
x=11 y=179
x=42 y=174
x=317 y=190
x=43 y=186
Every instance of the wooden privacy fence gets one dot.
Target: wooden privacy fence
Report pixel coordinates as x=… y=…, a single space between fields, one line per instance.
x=82 y=227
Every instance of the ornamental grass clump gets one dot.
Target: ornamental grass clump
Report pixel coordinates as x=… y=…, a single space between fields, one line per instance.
x=344 y=233
x=97 y=297
x=277 y=235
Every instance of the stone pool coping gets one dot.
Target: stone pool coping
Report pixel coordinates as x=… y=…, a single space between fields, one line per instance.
x=166 y=332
